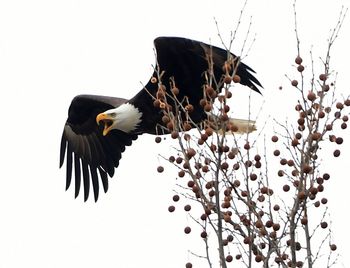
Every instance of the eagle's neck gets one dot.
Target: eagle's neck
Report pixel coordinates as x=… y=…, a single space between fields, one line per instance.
x=128 y=117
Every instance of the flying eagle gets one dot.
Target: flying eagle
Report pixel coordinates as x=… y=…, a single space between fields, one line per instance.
x=95 y=149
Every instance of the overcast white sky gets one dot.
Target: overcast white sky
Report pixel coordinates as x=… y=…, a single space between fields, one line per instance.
x=51 y=51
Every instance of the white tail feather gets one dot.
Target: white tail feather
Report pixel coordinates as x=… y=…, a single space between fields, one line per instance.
x=243 y=125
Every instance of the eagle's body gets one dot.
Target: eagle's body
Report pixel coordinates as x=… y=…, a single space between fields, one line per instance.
x=95 y=151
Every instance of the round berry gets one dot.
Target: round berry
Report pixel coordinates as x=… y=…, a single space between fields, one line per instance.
x=227 y=79
x=276 y=152
x=300 y=68
x=286 y=187
x=298 y=60
x=160 y=169
x=187 y=207
x=204 y=234
x=188 y=265
x=336 y=153
x=229 y=258
x=187 y=230
x=323 y=77
x=324 y=225
x=236 y=78
x=294 y=83
x=171 y=208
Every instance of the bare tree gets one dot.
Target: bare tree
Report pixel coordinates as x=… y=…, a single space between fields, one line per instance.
x=254 y=212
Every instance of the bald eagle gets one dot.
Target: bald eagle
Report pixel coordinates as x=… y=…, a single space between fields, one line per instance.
x=95 y=149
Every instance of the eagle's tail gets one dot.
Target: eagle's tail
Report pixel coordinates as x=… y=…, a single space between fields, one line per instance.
x=241 y=126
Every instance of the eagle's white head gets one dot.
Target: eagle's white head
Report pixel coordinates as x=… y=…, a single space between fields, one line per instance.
x=126 y=118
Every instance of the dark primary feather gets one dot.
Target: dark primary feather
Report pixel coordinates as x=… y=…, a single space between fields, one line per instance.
x=182 y=58
x=88 y=150
x=186 y=61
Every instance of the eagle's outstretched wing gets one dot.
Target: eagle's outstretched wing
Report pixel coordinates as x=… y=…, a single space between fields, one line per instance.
x=84 y=147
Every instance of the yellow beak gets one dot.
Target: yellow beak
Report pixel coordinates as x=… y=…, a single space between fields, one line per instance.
x=107 y=120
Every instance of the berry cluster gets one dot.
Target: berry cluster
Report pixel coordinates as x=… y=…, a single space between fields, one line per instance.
x=254 y=215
